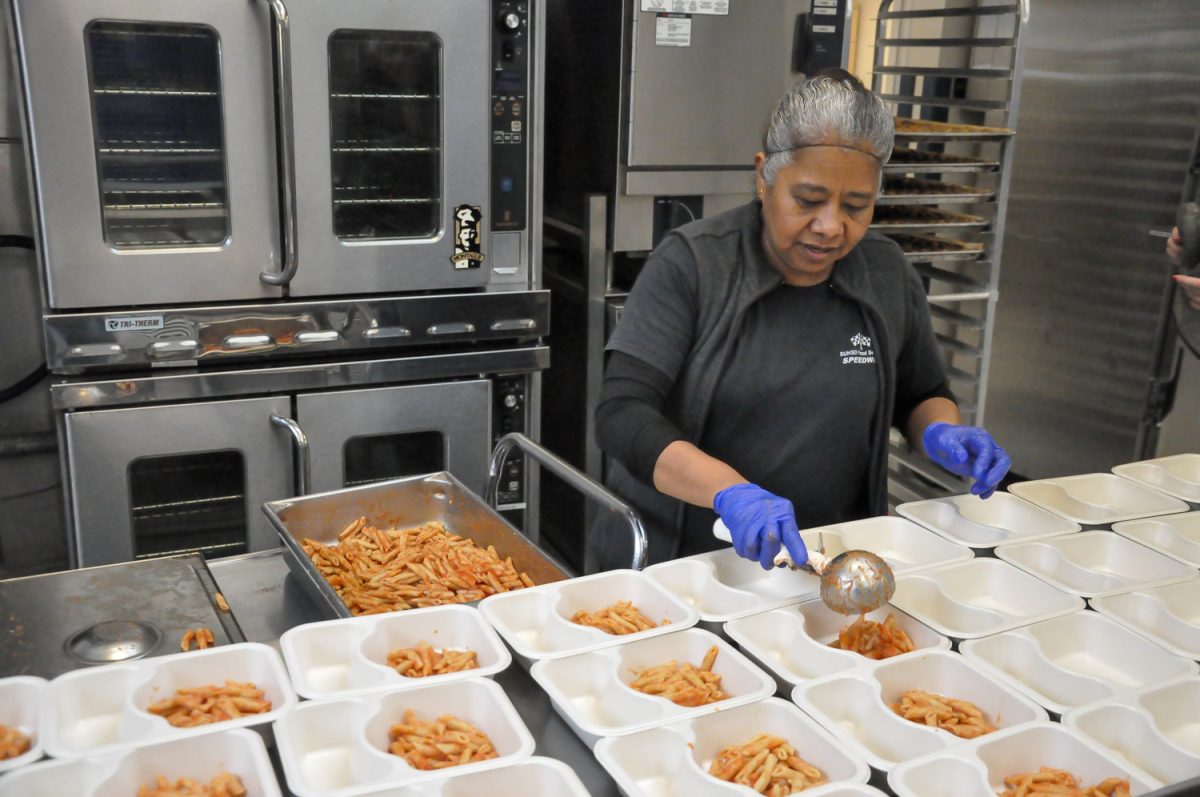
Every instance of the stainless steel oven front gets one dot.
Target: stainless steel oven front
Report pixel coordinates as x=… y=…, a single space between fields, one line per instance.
x=273 y=152
x=155 y=468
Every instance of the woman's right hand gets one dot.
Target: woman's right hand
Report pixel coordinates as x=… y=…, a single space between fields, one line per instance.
x=759 y=522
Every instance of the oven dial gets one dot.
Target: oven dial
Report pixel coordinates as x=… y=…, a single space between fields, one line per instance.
x=510 y=21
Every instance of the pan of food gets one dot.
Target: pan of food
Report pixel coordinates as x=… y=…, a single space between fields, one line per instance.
x=909 y=161
x=402 y=544
x=942 y=131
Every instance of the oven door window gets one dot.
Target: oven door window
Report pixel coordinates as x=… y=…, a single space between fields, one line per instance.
x=385 y=111
x=189 y=502
x=376 y=458
x=158 y=128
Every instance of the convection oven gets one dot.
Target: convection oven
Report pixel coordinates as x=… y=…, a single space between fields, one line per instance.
x=265 y=221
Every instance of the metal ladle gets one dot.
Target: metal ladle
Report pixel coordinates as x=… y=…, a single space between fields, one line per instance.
x=853 y=582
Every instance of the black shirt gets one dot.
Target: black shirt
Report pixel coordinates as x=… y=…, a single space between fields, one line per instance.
x=793 y=410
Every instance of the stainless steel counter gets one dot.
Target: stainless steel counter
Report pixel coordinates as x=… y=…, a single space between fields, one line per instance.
x=267 y=600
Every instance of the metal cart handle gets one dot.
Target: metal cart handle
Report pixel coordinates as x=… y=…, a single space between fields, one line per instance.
x=563 y=470
x=300 y=439
x=282 y=49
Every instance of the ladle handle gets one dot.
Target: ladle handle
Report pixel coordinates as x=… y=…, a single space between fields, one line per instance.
x=816 y=560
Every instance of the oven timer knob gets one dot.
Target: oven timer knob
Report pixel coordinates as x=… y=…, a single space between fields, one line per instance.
x=510 y=21
x=511 y=401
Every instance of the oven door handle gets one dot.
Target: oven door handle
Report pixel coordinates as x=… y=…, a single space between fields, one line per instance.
x=281 y=45
x=300 y=442
x=563 y=470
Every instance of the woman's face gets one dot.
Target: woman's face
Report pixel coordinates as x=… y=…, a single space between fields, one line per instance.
x=817 y=210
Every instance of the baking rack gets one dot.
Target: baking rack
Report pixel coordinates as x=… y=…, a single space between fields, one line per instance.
x=950 y=71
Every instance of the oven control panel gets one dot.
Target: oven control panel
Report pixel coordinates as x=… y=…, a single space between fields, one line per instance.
x=508 y=415
x=511 y=41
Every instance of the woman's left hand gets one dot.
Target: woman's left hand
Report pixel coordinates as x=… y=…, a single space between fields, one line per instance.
x=968 y=451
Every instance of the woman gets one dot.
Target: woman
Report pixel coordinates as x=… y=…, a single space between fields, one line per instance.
x=766 y=351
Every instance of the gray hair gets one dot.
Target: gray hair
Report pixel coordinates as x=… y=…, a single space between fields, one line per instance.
x=833 y=107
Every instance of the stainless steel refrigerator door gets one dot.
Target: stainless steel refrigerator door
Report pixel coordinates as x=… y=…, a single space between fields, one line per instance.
x=361 y=436
x=153 y=149
x=392 y=107
x=153 y=480
x=738 y=63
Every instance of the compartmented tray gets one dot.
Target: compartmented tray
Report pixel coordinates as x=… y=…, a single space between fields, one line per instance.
x=1096 y=499
x=121 y=773
x=399 y=503
x=675 y=758
x=923 y=217
x=592 y=694
x=792 y=643
x=1169 y=616
x=533 y=777
x=21 y=709
x=904 y=545
x=1177 y=475
x=922 y=247
x=855 y=706
x=985 y=523
x=980 y=597
x=924 y=129
x=537 y=622
x=1156 y=729
x=720 y=585
x=93 y=712
x=901 y=190
x=1095 y=563
x=979 y=767
x=336 y=748
x=340 y=658
x=1177 y=536
x=1075 y=660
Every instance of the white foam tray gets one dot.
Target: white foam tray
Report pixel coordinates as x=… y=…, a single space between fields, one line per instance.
x=21 y=708
x=980 y=597
x=1177 y=476
x=723 y=586
x=1156 y=729
x=1095 y=563
x=904 y=545
x=985 y=523
x=720 y=585
x=856 y=705
x=95 y=711
x=793 y=642
x=536 y=622
x=1096 y=499
x=1075 y=660
x=1177 y=536
x=979 y=767
x=1169 y=616
x=533 y=777
x=843 y=790
x=674 y=759
x=121 y=773
x=340 y=658
x=337 y=748
x=592 y=694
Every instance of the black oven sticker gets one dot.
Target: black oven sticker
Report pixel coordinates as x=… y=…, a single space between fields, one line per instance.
x=468 y=244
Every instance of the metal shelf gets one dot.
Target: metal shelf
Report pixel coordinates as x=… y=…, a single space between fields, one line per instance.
x=963 y=84
x=143 y=92
x=929 y=13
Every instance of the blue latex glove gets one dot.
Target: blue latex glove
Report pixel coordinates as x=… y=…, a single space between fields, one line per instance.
x=968 y=451
x=758 y=522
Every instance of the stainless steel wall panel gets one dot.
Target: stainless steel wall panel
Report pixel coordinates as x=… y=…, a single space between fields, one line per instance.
x=1110 y=100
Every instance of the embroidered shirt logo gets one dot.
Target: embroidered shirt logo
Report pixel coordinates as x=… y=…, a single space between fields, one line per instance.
x=861 y=354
